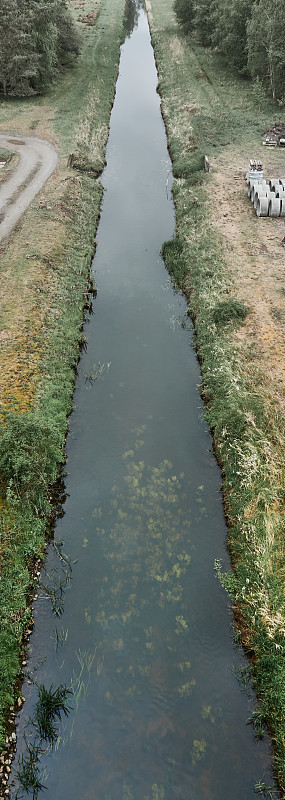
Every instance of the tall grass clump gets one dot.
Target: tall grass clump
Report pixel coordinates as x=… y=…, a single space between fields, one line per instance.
x=31 y=450
x=50 y=706
x=172 y=253
x=229 y=311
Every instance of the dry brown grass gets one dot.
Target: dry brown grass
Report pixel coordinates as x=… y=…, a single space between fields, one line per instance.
x=22 y=310
x=28 y=263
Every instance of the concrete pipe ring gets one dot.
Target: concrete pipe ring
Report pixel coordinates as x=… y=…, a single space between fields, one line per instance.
x=251 y=184
x=254 y=189
x=271 y=196
x=282 y=209
x=262 y=207
x=274 y=207
x=259 y=193
x=274 y=183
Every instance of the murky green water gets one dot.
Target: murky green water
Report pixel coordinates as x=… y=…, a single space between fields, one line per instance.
x=145 y=637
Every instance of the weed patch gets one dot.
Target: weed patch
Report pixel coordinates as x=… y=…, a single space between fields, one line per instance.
x=172 y=253
x=52 y=703
x=29 y=449
x=229 y=311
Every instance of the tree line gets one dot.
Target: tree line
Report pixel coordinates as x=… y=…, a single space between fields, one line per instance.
x=37 y=40
x=250 y=34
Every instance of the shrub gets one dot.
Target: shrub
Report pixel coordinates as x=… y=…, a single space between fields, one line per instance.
x=184 y=11
x=172 y=253
x=30 y=452
x=185 y=167
x=229 y=311
x=50 y=705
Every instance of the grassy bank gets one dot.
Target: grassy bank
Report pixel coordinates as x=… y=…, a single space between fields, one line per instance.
x=45 y=285
x=220 y=258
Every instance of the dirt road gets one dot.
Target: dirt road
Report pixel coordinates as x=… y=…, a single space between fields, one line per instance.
x=38 y=160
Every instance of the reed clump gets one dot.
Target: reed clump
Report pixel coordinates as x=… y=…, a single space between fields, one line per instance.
x=51 y=704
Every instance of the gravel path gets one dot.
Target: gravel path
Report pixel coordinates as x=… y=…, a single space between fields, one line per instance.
x=38 y=160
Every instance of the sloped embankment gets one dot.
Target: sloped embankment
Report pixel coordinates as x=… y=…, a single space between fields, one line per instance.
x=45 y=286
x=231 y=267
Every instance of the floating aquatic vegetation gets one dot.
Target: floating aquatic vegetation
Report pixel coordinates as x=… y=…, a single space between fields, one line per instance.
x=144 y=536
x=186 y=688
x=57 y=584
x=60 y=637
x=97 y=373
x=206 y=713
x=181 y=625
x=144 y=522
x=198 y=750
x=127 y=792
x=157 y=792
x=183 y=665
x=80 y=681
x=211 y=714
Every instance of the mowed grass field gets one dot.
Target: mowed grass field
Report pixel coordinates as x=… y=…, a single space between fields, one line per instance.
x=231 y=265
x=44 y=285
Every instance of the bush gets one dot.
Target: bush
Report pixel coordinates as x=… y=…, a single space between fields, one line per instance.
x=185 y=167
x=172 y=253
x=229 y=311
x=51 y=704
x=30 y=452
x=185 y=14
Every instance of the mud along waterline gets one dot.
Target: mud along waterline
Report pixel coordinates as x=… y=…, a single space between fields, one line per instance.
x=145 y=639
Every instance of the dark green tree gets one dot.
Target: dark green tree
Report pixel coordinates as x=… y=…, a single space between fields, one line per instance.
x=230 y=31
x=18 y=59
x=37 y=40
x=266 y=45
x=196 y=15
x=55 y=38
x=45 y=37
x=68 y=41
x=204 y=11
x=184 y=10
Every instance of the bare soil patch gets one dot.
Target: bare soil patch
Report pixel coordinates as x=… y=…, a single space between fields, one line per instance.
x=255 y=254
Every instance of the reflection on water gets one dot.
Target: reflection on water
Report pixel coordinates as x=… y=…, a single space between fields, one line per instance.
x=145 y=638
x=131 y=16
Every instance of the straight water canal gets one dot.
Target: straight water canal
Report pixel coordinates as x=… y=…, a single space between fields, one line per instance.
x=145 y=638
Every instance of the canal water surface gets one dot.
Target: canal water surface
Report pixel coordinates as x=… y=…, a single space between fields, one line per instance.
x=145 y=639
